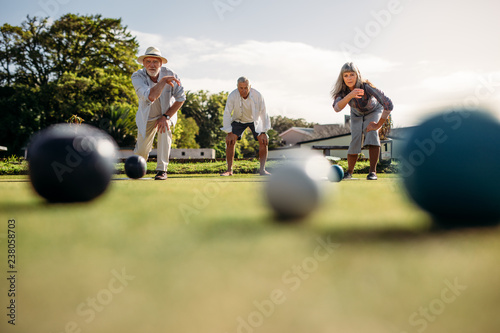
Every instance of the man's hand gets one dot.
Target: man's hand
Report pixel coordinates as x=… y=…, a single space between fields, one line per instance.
x=231 y=138
x=170 y=80
x=162 y=124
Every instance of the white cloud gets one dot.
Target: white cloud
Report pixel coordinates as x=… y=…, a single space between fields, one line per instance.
x=426 y=95
x=461 y=81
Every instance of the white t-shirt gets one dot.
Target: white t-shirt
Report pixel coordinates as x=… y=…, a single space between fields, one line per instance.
x=246 y=111
x=232 y=111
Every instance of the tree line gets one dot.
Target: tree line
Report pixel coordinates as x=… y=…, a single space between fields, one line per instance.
x=78 y=68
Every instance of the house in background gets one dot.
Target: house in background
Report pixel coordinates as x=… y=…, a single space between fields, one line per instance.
x=296 y=134
x=398 y=137
x=304 y=138
x=329 y=130
x=335 y=135
x=336 y=140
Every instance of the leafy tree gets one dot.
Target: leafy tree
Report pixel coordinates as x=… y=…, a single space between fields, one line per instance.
x=220 y=150
x=9 y=38
x=207 y=111
x=281 y=123
x=79 y=44
x=184 y=135
x=248 y=146
x=78 y=65
x=44 y=52
x=274 y=139
x=119 y=122
x=20 y=117
x=88 y=96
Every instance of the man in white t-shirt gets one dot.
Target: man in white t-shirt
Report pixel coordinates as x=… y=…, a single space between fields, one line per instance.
x=245 y=108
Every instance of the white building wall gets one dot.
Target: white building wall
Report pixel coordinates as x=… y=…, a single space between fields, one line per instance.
x=340 y=141
x=192 y=153
x=176 y=153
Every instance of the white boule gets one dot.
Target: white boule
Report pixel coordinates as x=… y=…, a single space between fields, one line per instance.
x=296 y=189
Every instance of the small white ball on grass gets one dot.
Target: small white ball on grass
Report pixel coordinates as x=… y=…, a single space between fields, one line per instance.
x=296 y=189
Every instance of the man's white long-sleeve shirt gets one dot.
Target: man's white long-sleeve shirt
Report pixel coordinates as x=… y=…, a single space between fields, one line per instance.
x=234 y=110
x=143 y=84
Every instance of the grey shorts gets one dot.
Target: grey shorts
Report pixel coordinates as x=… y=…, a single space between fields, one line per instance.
x=358 y=130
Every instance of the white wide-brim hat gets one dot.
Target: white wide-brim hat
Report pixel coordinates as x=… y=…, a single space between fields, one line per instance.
x=154 y=53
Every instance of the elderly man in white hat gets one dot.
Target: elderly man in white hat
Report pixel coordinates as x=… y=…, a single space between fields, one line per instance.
x=160 y=95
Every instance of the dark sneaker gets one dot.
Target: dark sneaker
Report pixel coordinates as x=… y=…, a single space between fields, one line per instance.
x=372 y=176
x=347 y=175
x=161 y=175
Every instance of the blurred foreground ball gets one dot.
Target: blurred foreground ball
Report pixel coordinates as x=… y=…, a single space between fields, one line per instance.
x=336 y=173
x=135 y=167
x=71 y=163
x=294 y=190
x=451 y=168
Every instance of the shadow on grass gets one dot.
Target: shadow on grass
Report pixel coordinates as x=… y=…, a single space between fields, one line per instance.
x=400 y=235
x=36 y=204
x=391 y=231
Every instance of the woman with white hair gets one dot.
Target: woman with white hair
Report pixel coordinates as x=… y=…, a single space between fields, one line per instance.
x=369 y=110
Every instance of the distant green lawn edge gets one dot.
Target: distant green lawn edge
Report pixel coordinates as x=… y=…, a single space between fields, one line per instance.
x=20 y=167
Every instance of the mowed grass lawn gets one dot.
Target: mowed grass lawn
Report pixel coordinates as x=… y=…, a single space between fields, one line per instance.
x=203 y=253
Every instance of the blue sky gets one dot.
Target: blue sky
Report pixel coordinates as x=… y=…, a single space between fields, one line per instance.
x=425 y=55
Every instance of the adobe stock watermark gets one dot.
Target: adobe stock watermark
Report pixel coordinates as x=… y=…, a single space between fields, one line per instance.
x=427 y=146
x=429 y=313
x=50 y=8
x=364 y=36
x=200 y=200
x=89 y=309
x=292 y=278
x=82 y=147
x=487 y=87
x=223 y=6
